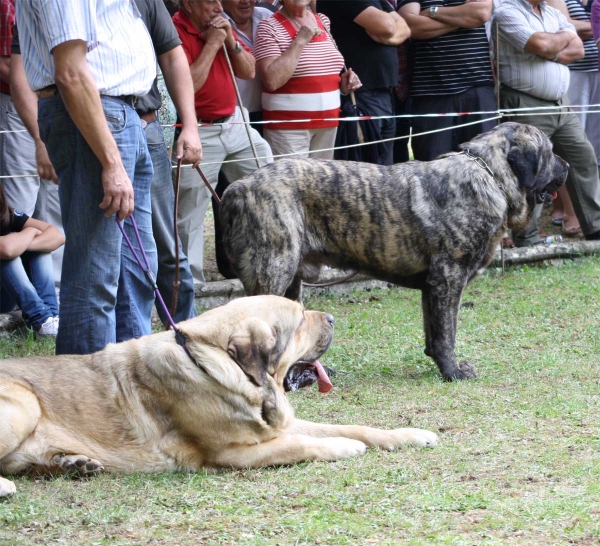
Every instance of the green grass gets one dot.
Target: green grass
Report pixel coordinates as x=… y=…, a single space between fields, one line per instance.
x=518 y=460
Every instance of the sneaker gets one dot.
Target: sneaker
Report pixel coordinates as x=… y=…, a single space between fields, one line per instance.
x=49 y=328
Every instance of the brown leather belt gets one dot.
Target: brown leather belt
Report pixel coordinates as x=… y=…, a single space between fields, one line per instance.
x=213 y=121
x=52 y=91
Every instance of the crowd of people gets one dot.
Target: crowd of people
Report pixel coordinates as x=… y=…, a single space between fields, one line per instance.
x=102 y=100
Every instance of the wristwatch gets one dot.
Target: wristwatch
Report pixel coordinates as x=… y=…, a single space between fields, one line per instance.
x=433 y=11
x=237 y=49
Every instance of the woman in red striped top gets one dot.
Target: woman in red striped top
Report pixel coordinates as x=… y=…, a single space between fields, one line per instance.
x=300 y=67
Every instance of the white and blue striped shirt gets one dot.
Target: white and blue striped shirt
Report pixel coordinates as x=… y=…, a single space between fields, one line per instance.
x=120 y=54
x=526 y=72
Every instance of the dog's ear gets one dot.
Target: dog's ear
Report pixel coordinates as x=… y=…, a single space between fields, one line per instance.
x=251 y=347
x=524 y=163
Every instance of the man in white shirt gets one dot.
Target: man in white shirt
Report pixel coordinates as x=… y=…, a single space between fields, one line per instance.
x=88 y=62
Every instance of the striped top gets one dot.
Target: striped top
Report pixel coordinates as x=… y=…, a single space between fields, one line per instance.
x=526 y=72
x=453 y=62
x=313 y=91
x=589 y=63
x=120 y=56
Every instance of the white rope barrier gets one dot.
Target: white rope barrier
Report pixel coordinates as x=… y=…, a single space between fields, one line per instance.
x=498 y=114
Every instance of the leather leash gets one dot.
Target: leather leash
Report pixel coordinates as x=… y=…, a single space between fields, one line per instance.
x=179 y=336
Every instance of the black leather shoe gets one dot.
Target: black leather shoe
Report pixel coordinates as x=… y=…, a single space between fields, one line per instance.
x=593 y=236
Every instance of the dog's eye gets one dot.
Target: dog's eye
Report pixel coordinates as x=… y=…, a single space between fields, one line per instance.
x=231 y=353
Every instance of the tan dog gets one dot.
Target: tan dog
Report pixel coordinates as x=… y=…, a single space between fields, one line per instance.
x=144 y=406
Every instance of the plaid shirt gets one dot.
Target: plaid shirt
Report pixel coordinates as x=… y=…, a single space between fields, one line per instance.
x=7 y=20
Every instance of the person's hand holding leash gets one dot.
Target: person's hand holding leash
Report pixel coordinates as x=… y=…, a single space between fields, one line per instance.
x=118 y=191
x=189 y=147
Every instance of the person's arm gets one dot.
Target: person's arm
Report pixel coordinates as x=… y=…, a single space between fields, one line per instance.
x=563 y=46
x=49 y=239
x=215 y=38
x=423 y=28
x=276 y=71
x=243 y=62
x=583 y=28
x=596 y=21
x=387 y=28
x=26 y=105
x=5 y=68
x=14 y=244
x=82 y=100
x=471 y=14
x=178 y=79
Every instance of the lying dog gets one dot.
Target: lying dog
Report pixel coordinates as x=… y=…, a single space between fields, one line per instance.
x=145 y=406
x=425 y=225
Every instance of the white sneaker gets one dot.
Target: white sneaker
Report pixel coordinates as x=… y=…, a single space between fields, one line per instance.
x=48 y=329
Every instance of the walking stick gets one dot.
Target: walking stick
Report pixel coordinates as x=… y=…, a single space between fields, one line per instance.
x=239 y=99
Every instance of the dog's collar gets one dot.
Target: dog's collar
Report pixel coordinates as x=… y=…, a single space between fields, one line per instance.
x=481 y=163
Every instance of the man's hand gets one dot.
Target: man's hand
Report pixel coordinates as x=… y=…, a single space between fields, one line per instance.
x=189 y=147
x=220 y=23
x=215 y=36
x=44 y=165
x=118 y=192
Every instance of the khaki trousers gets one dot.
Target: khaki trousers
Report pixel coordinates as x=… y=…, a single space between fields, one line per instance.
x=570 y=142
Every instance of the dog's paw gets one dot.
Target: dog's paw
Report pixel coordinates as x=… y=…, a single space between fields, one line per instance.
x=408 y=436
x=343 y=448
x=78 y=464
x=7 y=488
x=463 y=370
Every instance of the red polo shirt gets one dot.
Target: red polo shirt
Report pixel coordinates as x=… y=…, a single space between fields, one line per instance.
x=7 y=20
x=216 y=98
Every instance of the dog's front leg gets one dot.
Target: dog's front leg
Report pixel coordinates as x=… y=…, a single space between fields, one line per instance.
x=289 y=449
x=373 y=437
x=441 y=301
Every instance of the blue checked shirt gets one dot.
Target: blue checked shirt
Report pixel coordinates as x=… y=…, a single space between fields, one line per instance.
x=120 y=54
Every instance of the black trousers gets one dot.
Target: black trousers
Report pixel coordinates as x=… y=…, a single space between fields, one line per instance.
x=428 y=147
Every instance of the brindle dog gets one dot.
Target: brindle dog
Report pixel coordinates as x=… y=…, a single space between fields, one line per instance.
x=425 y=225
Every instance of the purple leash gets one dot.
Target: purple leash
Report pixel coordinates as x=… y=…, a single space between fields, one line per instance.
x=179 y=337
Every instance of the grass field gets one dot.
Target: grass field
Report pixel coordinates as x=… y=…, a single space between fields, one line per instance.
x=518 y=461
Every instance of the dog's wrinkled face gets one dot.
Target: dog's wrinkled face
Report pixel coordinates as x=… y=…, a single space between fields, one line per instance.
x=275 y=334
x=539 y=170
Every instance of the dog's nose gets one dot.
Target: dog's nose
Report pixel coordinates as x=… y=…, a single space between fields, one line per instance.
x=330 y=319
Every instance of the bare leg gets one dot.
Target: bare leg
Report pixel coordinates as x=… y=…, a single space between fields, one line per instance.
x=373 y=437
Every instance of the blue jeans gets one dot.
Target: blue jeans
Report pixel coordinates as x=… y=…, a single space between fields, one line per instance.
x=105 y=296
x=163 y=200
x=28 y=281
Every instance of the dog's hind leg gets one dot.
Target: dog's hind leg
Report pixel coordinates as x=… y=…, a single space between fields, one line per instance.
x=441 y=296
x=75 y=464
x=19 y=415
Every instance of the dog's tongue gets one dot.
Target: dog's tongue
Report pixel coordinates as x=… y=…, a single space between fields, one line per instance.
x=322 y=377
